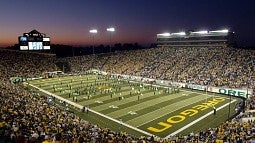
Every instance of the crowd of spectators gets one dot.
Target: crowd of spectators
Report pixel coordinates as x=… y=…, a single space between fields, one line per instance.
x=215 y=66
x=27 y=117
x=25 y=64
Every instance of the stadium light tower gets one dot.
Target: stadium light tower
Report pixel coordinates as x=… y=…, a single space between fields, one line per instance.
x=180 y=33
x=221 y=31
x=93 y=32
x=111 y=30
x=164 y=34
x=200 y=32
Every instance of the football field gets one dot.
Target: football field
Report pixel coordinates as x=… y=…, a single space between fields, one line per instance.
x=145 y=108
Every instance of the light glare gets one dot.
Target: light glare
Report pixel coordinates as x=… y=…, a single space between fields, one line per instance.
x=180 y=33
x=93 y=31
x=221 y=31
x=164 y=34
x=111 y=29
x=200 y=32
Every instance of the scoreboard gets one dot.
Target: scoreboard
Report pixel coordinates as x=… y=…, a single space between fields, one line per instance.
x=30 y=42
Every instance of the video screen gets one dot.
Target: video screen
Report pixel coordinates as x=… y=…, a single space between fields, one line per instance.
x=22 y=39
x=35 y=45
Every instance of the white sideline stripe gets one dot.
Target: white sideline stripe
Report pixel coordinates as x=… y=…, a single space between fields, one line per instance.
x=197 y=120
x=58 y=97
x=81 y=107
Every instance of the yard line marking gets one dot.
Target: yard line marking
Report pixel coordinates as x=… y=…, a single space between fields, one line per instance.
x=120 y=122
x=132 y=113
x=113 y=106
x=141 y=106
x=135 y=128
x=81 y=107
x=99 y=101
x=197 y=120
x=167 y=112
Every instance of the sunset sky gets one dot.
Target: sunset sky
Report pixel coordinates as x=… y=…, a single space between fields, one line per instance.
x=69 y=21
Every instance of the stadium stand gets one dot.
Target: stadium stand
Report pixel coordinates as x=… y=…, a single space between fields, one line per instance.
x=27 y=117
x=216 y=66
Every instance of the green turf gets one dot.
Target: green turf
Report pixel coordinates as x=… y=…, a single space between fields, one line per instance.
x=137 y=105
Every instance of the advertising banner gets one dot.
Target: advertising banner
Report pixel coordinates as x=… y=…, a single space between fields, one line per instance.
x=231 y=91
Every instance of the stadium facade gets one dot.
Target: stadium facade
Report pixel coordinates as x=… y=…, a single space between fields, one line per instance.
x=198 y=38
